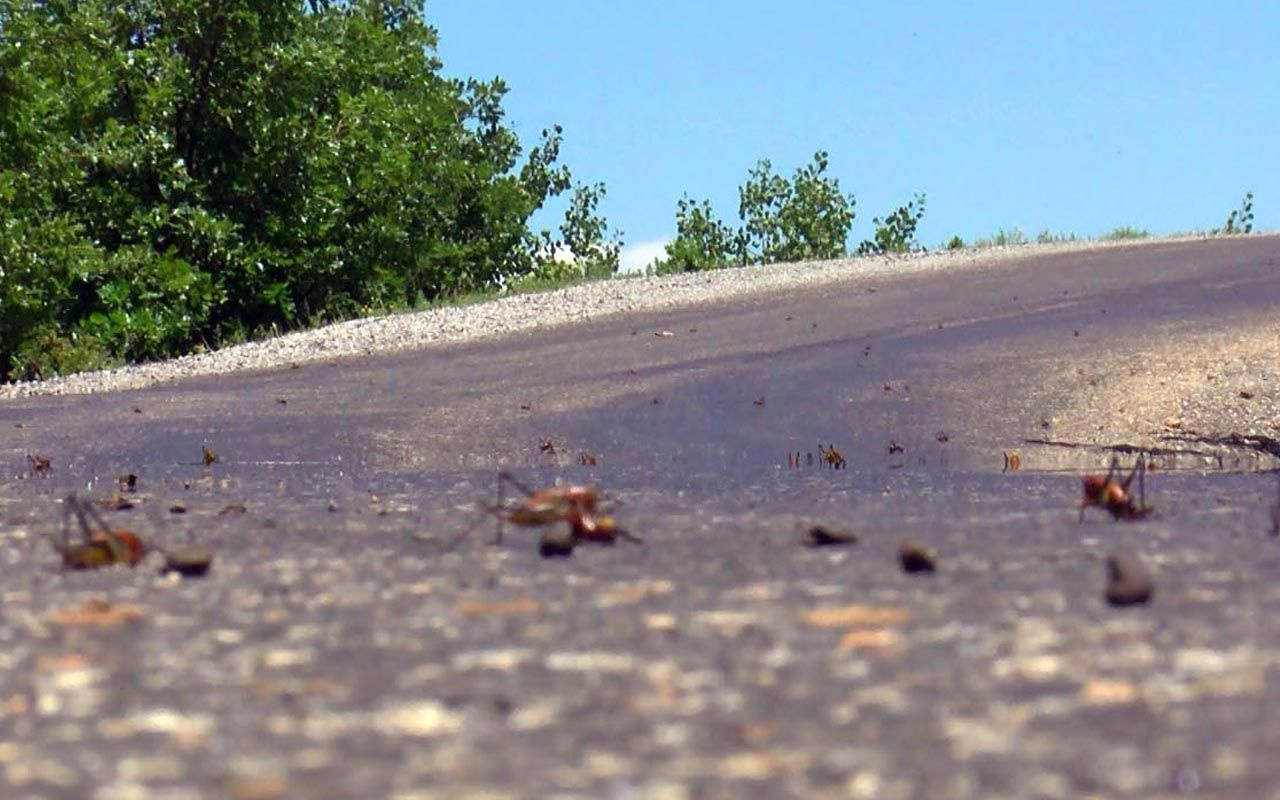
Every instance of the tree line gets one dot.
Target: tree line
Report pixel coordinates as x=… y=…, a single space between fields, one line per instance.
x=805 y=217
x=177 y=174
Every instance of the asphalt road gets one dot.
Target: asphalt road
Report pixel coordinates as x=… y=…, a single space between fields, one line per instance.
x=341 y=648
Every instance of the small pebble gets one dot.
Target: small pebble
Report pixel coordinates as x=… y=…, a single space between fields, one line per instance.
x=915 y=557
x=822 y=536
x=192 y=561
x=557 y=545
x=1129 y=582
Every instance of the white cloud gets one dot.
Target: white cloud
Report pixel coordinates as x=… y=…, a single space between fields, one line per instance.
x=563 y=255
x=635 y=257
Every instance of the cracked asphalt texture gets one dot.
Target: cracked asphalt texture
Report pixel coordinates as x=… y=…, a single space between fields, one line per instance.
x=340 y=648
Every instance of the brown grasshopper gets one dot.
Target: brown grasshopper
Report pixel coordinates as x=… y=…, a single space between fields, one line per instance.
x=579 y=506
x=1105 y=491
x=102 y=546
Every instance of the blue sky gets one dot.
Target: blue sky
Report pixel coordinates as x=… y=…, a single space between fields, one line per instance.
x=1076 y=118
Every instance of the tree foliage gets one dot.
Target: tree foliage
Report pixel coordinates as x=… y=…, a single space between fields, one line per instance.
x=702 y=241
x=183 y=171
x=590 y=248
x=895 y=233
x=792 y=220
x=802 y=217
x=1240 y=220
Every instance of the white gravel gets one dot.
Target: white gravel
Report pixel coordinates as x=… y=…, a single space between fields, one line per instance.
x=506 y=315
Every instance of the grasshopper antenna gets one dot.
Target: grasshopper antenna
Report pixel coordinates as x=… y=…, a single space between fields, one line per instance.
x=623 y=533
x=464 y=533
x=86 y=513
x=1114 y=470
x=68 y=503
x=1141 y=469
x=501 y=476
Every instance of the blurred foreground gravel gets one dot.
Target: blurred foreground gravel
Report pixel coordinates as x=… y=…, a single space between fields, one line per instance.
x=338 y=654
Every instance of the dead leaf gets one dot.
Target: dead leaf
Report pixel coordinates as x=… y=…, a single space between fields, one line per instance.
x=502 y=608
x=65 y=662
x=883 y=639
x=855 y=616
x=627 y=593
x=755 y=734
x=1108 y=693
x=258 y=787
x=16 y=705
x=97 y=613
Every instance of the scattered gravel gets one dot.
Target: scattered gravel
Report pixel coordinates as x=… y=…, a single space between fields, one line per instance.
x=512 y=314
x=1182 y=389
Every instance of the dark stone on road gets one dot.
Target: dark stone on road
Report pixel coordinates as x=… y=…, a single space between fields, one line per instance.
x=821 y=536
x=1129 y=582
x=557 y=544
x=192 y=561
x=915 y=557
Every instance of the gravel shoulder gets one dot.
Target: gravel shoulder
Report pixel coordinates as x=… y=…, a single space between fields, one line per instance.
x=1180 y=384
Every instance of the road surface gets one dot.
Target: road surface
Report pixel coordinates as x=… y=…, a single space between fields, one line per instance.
x=346 y=643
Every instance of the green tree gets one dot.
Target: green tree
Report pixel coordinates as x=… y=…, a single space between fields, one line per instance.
x=587 y=236
x=585 y=249
x=183 y=171
x=1240 y=220
x=896 y=233
x=701 y=241
x=806 y=217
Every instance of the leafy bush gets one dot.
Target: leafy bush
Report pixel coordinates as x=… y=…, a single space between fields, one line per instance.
x=896 y=233
x=701 y=241
x=1047 y=236
x=1123 y=233
x=1003 y=238
x=804 y=217
x=1240 y=220
x=586 y=235
x=191 y=172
